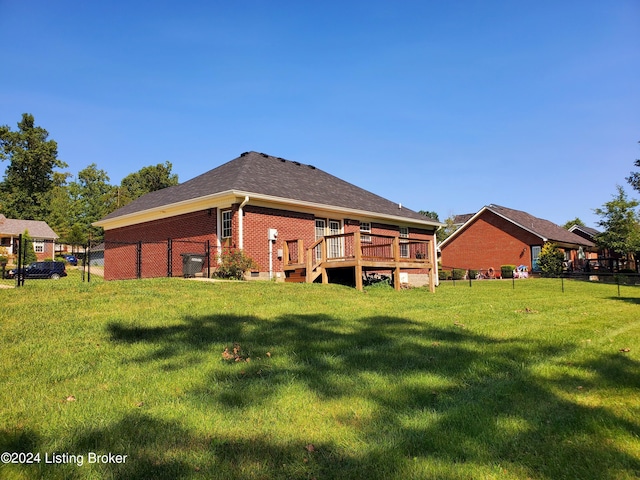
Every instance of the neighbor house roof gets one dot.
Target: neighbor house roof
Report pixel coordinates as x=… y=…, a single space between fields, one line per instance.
x=546 y=230
x=275 y=179
x=588 y=231
x=462 y=219
x=36 y=228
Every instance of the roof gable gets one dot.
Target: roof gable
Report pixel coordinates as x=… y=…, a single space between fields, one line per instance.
x=546 y=230
x=36 y=228
x=259 y=173
x=586 y=232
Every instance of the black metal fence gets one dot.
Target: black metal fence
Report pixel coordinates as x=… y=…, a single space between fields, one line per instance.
x=28 y=258
x=462 y=276
x=149 y=259
x=126 y=260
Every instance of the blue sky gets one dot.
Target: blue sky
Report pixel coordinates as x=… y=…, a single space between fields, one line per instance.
x=442 y=106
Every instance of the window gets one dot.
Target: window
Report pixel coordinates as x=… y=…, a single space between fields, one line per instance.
x=38 y=246
x=365 y=227
x=334 y=245
x=535 y=258
x=227 y=215
x=404 y=247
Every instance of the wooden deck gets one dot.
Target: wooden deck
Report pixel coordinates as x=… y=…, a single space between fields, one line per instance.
x=362 y=252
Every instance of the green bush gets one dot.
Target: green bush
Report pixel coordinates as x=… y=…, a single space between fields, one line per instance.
x=444 y=274
x=473 y=273
x=233 y=264
x=30 y=255
x=550 y=260
x=506 y=271
x=459 y=273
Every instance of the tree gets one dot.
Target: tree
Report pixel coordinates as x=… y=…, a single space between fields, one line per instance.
x=448 y=229
x=571 y=223
x=634 y=178
x=146 y=180
x=27 y=244
x=620 y=222
x=430 y=214
x=30 y=175
x=550 y=260
x=61 y=216
x=92 y=197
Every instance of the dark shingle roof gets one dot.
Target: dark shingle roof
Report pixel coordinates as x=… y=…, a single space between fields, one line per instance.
x=586 y=232
x=262 y=174
x=539 y=226
x=462 y=219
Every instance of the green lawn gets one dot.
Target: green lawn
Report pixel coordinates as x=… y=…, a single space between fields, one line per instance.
x=481 y=382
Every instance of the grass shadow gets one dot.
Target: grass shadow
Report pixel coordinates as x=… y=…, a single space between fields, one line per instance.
x=490 y=408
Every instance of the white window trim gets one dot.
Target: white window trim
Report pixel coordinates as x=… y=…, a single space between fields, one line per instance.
x=404 y=247
x=227 y=231
x=39 y=246
x=365 y=231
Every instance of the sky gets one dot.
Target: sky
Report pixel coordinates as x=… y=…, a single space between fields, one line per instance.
x=439 y=106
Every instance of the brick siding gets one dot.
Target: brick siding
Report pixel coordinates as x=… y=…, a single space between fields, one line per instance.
x=490 y=241
x=120 y=258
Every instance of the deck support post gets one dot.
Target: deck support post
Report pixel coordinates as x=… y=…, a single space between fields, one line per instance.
x=358 y=255
x=396 y=259
x=309 y=265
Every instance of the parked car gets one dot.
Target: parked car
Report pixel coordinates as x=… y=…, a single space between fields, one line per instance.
x=71 y=259
x=53 y=270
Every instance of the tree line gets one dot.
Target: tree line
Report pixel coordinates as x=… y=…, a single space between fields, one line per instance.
x=36 y=186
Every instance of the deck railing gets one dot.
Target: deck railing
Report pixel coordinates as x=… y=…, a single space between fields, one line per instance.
x=355 y=246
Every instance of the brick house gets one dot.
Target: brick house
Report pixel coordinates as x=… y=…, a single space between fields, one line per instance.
x=41 y=234
x=603 y=258
x=497 y=236
x=283 y=214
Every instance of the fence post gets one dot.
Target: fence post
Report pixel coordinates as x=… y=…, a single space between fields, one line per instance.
x=169 y=257
x=19 y=266
x=207 y=252
x=139 y=260
x=469 y=275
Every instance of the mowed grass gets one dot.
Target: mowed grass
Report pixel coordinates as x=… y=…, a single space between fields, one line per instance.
x=481 y=382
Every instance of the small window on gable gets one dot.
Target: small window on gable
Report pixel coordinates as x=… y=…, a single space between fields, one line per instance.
x=227 y=215
x=365 y=229
x=38 y=246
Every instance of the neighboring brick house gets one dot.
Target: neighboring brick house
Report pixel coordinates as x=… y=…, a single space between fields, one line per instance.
x=497 y=236
x=42 y=236
x=238 y=204
x=603 y=257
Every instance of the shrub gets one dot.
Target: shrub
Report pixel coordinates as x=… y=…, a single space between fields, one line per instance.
x=30 y=255
x=233 y=264
x=459 y=273
x=473 y=273
x=506 y=271
x=444 y=274
x=550 y=260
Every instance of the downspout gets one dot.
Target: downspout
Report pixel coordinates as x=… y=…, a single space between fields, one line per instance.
x=240 y=223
